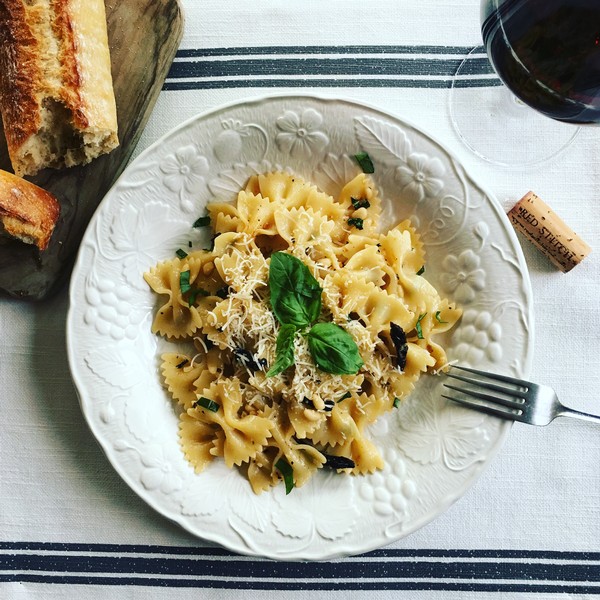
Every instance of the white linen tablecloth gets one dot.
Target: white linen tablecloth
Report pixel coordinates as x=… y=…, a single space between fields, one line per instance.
x=71 y=528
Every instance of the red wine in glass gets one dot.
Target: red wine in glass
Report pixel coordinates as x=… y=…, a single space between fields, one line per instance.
x=547 y=52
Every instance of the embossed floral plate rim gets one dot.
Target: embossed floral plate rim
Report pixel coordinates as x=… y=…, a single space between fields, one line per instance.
x=474 y=256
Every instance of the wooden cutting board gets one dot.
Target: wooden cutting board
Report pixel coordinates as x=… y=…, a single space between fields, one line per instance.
x=144 y=36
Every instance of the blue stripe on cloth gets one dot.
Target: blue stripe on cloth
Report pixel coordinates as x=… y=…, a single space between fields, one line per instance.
x=450 y=570
x=320 y=83
x=374 y=49
x=328 y=66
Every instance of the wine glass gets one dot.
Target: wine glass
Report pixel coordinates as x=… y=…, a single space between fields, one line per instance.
x=547 y=55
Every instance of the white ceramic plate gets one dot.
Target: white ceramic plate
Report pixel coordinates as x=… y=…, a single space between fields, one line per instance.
x=433 y=450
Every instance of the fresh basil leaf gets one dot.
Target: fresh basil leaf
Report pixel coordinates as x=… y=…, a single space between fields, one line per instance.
x=421 y=270
x=333 y=349
x=397 y=402
x=181 y=253
x=285 y=350
x=295 y=293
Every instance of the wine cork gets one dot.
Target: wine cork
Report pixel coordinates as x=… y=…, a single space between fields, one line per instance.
x=532 y=217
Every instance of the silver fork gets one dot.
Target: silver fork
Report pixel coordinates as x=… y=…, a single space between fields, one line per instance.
x=510 y=398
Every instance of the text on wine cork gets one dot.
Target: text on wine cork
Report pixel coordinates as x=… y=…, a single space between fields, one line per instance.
x=532 y=217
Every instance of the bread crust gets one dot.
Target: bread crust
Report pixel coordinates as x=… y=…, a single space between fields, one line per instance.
x=27 y=212
x=56 y=95
x=19 y=74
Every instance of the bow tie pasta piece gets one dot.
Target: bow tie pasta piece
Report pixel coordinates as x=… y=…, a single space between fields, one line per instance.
x=197 y=441
x=362 y=204
x=190 y=294
x=179 y=376
x=363 y=300
x=238 y=436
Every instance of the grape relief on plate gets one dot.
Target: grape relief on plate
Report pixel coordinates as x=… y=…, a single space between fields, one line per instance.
x=433 y=451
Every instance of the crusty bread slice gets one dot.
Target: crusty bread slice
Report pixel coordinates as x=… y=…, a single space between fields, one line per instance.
x=56 y=94
x=27 y=212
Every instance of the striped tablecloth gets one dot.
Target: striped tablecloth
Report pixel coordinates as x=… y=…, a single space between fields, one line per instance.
x=69 y=526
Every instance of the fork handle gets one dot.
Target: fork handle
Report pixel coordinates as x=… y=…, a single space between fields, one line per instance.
x=577 y=414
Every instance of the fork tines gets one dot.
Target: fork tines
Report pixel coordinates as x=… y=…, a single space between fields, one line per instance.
x=507 y=401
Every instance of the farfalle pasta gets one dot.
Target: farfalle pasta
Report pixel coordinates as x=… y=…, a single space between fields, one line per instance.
x=282 y=381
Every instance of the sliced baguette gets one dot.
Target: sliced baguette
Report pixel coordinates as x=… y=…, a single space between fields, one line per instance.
x=27 y=212
x=56 y=94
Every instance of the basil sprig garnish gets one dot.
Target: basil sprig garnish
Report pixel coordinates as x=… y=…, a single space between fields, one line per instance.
x=285 y=350
x=296 y=303
x=333 y=349
x=295 y=293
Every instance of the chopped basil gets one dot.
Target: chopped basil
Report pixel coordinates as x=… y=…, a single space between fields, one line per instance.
x=365 y=162
x=396 y=402
x=207 y=403
x=345 y=396
x=287 y=473
x=195 y=293
x=333 y=349
x=295 y=293
x=202 y=222
x=284 y=350
x=355 y=222
x=438 y=318
x=182 y=364
x=360 y=203
x=421 y=270
x=190 y=244
x=247 y=359
x=184 y=282
x=181 y=253
x=418 y=327
x=399 y=340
